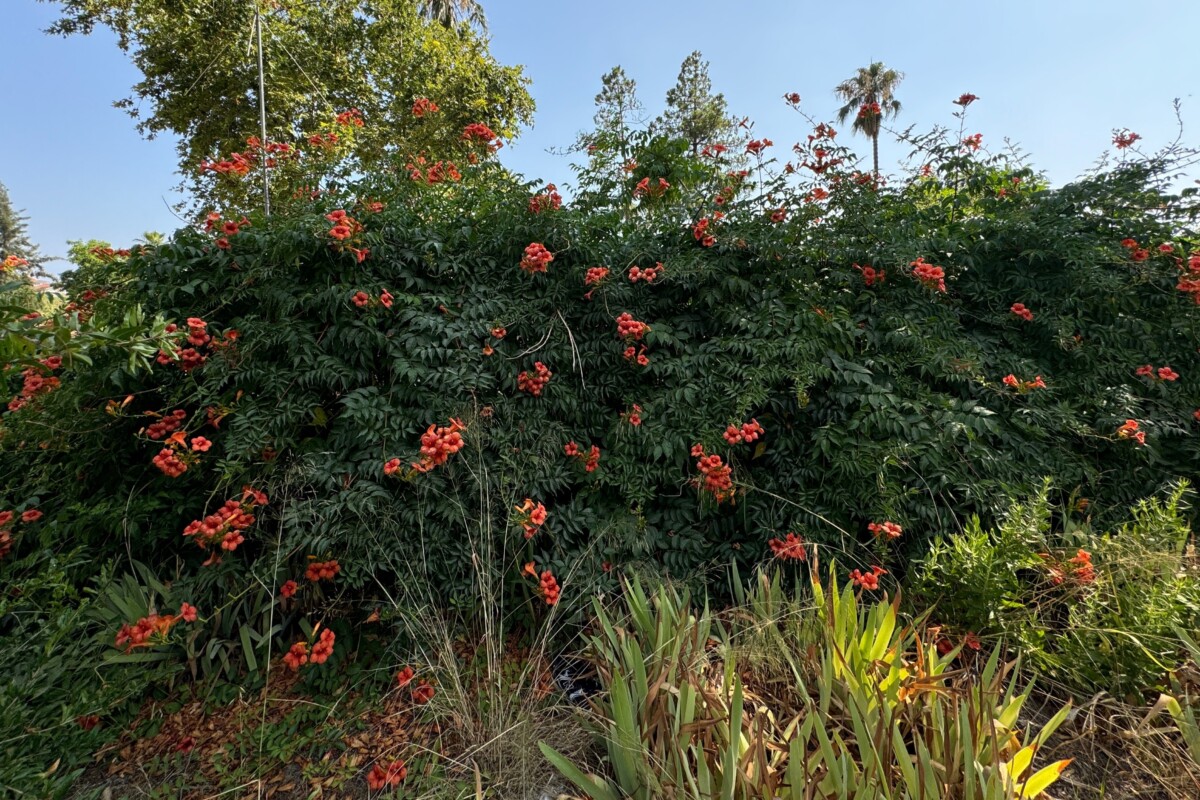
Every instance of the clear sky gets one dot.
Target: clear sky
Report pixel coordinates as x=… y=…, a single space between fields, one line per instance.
x=1055 y=76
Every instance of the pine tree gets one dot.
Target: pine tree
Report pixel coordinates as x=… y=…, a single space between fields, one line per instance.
x=617 y=106
x=14 y=237
x=693 y=112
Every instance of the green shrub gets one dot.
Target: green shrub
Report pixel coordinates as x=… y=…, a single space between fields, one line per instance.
x=1111 y=628
x=878 y=402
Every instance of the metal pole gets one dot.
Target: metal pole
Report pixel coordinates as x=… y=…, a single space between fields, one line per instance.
x=262 y=113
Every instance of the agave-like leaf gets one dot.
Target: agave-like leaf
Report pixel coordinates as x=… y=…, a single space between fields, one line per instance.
x=593 y=785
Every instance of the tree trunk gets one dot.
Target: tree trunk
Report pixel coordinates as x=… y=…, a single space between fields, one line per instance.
x=875 y=153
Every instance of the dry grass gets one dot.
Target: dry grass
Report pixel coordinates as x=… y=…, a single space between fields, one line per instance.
x=1120 y=754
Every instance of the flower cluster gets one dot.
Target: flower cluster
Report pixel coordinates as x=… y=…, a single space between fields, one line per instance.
x=548 y=587
x=36 y=382
x=1160 y=374
x=289 y=589
x=945 y=646
x=324 y=141
x=816 y=195
x=168 y=423
x=349 y=119
x=172 y=462
x=299 y=654
x=755 y=147
x=1024 y=386
x=346 y=228
x=479 y=133
x=6 y=520
x=1129 y=430
x=422 y=693
x=629 y=328
x=973 y=142
x=888 y=529
x=1124 y=138
x=869 y=110
x=748 y=432
x=197 y=331
x=532 y=516
x=789 y=548
x=198 y=336
x=1136 y=252
x=871 y=276
x=535 y=383
x=13 y=262
x=152 y=629
x=82 y=307
x=549 y=200
x=363 y=300
x=726 y=194
x=1021 y=311
x=222 y=530
x=633 y=416
x=323 y=649
x=823 y=163
x=1190 y=284
x=536 y=258
x=965 y=99
x=237 y=165
x=700 y=231
x=1078 y=569
x=717 y=475
x=190 y=357
x=647 y=274
x=928 y=275
x=296 y=656
x=638 y=355
x=868 y=580
x=644 y=187
x=322 y=570
x=590 y=459
x=380 y=777
x=595 y=275
x=438 y=443
x=214 y=223
x=437 y=172
x=423 y=107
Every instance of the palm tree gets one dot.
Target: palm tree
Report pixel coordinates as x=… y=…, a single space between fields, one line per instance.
x=870 y=96
x=447 y=12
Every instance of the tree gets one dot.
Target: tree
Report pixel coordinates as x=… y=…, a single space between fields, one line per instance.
x=693 y=112
x=200 y=76
x=871 y=95
x=609 y=145
x=14 y=236
x=448 y=12
x=617 y=105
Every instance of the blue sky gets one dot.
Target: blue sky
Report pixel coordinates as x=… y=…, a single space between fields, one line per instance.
x=1055 y=76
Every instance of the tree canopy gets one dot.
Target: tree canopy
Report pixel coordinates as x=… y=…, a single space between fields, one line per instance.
x=200 y=77
x=14 y=237
x=870 y=96
x=693 y=112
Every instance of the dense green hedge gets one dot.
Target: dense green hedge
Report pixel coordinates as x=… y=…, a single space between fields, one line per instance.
x=881 y=402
